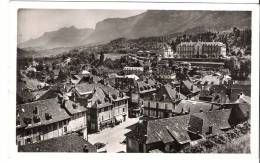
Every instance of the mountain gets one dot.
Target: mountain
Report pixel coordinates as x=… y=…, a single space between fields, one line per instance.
x=64 y=37
x=161 y=22
x=147 y=24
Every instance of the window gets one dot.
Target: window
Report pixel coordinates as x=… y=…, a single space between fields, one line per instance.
x=166 y=106
x=149 y=104
x=123 y=109
x=65 y=129
x=157 y=105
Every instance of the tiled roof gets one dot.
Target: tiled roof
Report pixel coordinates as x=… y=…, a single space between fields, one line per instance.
x=190 y=106
x=84 y=88
x=219 y=119
x=49 y=106
x=190 y=85
x=168 y=130
x=74 y=108
x=66 y=143
x=165 y=93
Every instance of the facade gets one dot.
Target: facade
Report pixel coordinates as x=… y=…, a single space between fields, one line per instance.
x=40 y=120
x=161 y=103
x=201 y=49
x=167 y=52
x=106 y=106
x=133 y=70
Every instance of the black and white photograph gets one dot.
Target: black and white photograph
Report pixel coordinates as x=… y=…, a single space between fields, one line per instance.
x=133 y=81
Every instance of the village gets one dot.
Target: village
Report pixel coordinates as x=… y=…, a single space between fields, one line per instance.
x=175 y=98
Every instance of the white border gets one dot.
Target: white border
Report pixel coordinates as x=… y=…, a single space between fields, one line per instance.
x=10 y=129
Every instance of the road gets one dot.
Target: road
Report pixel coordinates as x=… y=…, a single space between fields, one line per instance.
x=113 y=136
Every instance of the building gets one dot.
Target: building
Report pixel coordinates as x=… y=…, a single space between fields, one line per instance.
x=133 y=70
x=167 y=51
x=46 y=119
x=106 y=105
x=201 y=49
x=66 y=143
x=40 y=120
x=170 y=135
x=161 y=103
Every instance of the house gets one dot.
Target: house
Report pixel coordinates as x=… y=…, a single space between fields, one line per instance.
x=206 y=124
x=163 y=135
x=77 y=113
x=133 y=70
x=46 y=119
x=106 y=105
x=40 y=120
x=191 y=107
x=66 y=143
x=188 y=89
x=161 y=103
x=169 y=135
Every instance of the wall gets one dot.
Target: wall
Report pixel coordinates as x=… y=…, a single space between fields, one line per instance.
x=41 y=133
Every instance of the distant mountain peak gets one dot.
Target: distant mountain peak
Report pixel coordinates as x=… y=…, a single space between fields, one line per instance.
x=147 y=24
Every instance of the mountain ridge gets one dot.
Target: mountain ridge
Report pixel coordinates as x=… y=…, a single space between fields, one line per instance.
x=148 y=24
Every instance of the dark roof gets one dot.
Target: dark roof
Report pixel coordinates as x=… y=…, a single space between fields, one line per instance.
x=218 y=119
x=165 y=93
x=49 y=106
x=190 y=106
x=66 y=143
x=193 y=88
x=147 y=85
x=161 y=130
x=168 y=130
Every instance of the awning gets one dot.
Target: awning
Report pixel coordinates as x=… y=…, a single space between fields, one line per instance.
x=119 y=118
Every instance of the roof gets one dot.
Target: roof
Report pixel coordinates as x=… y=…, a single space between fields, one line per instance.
x=74 y=108
x=218 y=119
x=210 y=79
x=191 y=86
x=147 y=85
x=168 y=130
x=133 y=76
x=202 y=43
x=49 y=106
x=190 y=106
x=85 y=88
x=66 y=143
x=134 y=68
x=165 y=93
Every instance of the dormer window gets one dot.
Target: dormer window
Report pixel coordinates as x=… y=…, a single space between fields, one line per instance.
x=48 y=116
x=36 y=119
x=27 y=121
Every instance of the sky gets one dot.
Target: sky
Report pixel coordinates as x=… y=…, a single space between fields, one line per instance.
x=32 y=23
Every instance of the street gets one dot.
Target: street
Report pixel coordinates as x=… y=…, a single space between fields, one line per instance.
x=113 y=136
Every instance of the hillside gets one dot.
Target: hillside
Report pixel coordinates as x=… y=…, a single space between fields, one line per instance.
x=147 y=24
x=64 y=37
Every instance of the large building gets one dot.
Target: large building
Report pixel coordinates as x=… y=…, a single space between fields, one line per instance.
x=106 y=105
x=201 y=49
x=46 y=119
